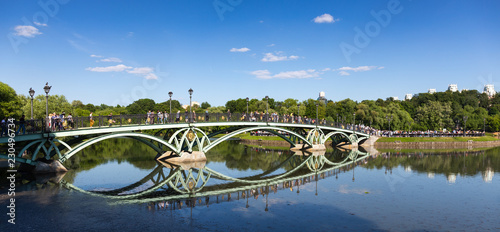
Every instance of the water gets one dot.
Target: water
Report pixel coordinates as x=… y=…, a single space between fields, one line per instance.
x=394 y=191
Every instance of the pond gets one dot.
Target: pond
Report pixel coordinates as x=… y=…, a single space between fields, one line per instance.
x=117 y=185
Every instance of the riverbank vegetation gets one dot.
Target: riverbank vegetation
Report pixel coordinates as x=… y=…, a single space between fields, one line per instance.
x=441 y=110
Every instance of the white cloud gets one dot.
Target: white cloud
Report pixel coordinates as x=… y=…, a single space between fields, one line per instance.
x=116 y=68
x=271 y=45
x=344 y=73
x=239 y=49
x=325 y=69
x=300 y=74
x=27 y=31
x=270 y=57
x=262 y=74
x=40 y=24
x=325 y=18
x=344 y=70
x=97 y=56
x=358 y=69
x=145 y=72
x=112 y=59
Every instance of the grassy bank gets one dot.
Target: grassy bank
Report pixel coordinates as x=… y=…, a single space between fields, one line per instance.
x=437 y=139
x=448 y=150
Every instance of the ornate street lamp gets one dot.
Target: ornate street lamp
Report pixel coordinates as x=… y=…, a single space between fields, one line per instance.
x=389 y=120
x=317 y=106
x=353 y=122
x=32 y=93
x=267 y=108
x=248 y=116
x=170 y=95
x=47 y=90
x=190 y=97
x=484 y=124
x=465 y=123
x=298 y=112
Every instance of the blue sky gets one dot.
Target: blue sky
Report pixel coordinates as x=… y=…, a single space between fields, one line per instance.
x=115 y=52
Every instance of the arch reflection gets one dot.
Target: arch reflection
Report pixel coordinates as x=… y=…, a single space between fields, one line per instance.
x=169 y=181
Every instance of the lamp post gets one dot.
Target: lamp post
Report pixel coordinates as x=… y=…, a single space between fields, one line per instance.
x=170 y=95
x=32 y=93
x=389 y=120
x=353 y=122
x=248 y=116
x=267 y=108
x=190 y=97
x=484 y=124
x=46 y=88
x=317 y=106
x=465 y=123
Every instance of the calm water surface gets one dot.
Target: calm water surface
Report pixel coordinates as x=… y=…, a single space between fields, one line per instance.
x=276 y=190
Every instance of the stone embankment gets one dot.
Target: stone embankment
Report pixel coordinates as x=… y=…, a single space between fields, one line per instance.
x=437 y=145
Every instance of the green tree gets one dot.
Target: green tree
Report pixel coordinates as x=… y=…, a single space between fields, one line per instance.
x=10 y=104
x=205 y=105
x=141 y=106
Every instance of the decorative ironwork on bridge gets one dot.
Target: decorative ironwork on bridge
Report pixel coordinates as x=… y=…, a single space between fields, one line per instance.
x=186 y=137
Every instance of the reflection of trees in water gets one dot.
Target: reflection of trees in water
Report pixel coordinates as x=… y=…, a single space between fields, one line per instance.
x=128 y=150
x=242 y=157
x=464 y=162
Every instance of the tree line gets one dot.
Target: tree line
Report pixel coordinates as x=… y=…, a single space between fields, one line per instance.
x=441 y=110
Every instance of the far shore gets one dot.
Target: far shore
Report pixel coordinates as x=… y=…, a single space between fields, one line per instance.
x=397 y=142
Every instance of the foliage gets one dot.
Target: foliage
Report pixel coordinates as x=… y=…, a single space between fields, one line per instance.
x=9 y=102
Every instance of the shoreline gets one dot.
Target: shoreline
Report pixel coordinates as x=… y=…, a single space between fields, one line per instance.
x=392 y=145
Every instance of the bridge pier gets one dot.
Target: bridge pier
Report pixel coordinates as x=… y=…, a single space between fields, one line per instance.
x=44 y=166
x=184 y=157
x=304 y=146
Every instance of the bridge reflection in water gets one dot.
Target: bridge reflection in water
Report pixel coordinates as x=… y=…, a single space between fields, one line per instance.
x=169 y=185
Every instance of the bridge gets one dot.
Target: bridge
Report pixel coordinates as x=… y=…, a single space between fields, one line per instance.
x=185 y=140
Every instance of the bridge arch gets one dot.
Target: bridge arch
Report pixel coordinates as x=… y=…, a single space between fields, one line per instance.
x=87 y=143
x=335 y=133
x=265 y=128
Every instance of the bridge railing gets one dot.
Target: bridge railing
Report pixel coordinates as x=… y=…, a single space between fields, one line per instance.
x=99 y=121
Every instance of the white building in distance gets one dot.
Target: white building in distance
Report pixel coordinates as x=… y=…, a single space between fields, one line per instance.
x=431 y=91
x=408 y=96
x=192 y=104
x=322 y=97
x=453 y=87
x=395 y=98
x=490 y=90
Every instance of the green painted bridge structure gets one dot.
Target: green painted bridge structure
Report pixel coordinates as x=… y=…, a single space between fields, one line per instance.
x=179 y=138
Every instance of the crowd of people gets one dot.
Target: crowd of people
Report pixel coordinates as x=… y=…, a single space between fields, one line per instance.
x=59 y=122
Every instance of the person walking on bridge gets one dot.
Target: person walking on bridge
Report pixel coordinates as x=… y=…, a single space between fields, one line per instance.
x=206 y=116
x=22 y=125
x=178 y=116
x=4 y=127
x=91 y=119
x=110 y=119
x=160 y=117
